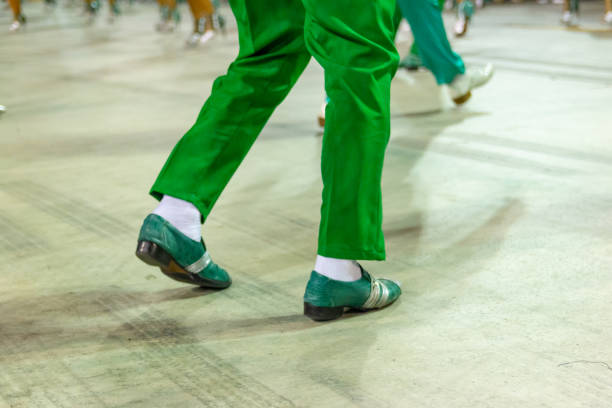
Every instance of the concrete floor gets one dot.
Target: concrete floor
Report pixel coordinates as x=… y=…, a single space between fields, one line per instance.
x=498 y=218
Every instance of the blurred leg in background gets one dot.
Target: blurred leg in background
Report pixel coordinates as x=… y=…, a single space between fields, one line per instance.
x=91 y=9
x=570 y=13
x=203 y=23
x=169 y=16
x=18 y=18
x=608 y=12
x=114 y=11
x=435 y=52
x=465 y=11
x=413 y=60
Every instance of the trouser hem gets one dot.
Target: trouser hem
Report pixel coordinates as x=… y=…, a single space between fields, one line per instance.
x=351 y=253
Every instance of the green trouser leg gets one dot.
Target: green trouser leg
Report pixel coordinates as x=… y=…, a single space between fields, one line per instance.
x=271 y=58
x=574 y=6
x=414 y=50
x=425 y=19
x=356 y=50
x=354 y=43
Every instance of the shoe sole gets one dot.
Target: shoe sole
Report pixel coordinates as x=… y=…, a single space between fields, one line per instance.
x=463 y=98
x=154 y=255
x=321 y=314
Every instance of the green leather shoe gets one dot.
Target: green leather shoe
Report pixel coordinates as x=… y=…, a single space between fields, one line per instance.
x=178 y=256
x=326 y=299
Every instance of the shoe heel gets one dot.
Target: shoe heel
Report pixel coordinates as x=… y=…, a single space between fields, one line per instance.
x=463 y=98
x=320 y=314
x=152 y=254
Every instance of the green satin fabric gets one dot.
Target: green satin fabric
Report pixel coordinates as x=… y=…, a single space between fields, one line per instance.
x=431 y=43
x=353 y=42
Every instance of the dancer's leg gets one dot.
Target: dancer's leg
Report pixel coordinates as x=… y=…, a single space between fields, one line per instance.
x=426 y=22
x=18 y=18
x=353 y=41
x=15 y=8
x=271 y=58
x=203 y=27
x=201 y=8
x=413 y=59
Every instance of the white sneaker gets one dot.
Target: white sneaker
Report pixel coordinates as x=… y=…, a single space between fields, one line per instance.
x=461 y=26
x=608 y=17
x=15 y=26
x=194 y=39
x=207 y=36
x=199 y=38
x=569 y=19
x=461 y=88
x=565 y=17
x=2 y=109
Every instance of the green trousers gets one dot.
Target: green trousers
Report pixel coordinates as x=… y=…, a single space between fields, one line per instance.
x=425 y=19
x=353 y=42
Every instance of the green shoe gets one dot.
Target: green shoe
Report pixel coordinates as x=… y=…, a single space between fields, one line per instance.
x=326 y=299
x=178 y=256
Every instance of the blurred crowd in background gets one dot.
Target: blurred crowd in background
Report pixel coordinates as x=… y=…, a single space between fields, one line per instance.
x=207 y=20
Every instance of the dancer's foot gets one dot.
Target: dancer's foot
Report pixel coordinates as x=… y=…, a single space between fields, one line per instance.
x=569 y=19
x=178 y=256
x=2 y=109
x=15 y=26
x=327 y=299
x=194 y=39
x=169 y=20
x=412 y=62
x=461 y=26
x=208 y=35
x=165 y=26
x=461 y=87
x=200 y=38
x=321 y=115
x=18 y=24
x=465 y=11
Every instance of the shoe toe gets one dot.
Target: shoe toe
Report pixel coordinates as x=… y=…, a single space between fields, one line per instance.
x=394 y=289
x=215 y=276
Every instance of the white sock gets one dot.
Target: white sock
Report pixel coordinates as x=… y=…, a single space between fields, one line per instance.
x=183 y=215
x=338 y=269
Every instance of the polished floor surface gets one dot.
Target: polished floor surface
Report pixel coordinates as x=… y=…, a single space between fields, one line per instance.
x=498 y=219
